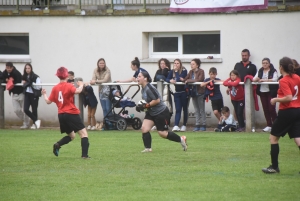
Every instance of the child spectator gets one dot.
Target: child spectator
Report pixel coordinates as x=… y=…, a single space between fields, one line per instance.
x=70 y=77
x=124 y=101
x=227 y=122
x=236 y=92
x=90 y=100
x=213 y=92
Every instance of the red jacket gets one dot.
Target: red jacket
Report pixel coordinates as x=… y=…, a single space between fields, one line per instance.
x=236 y=90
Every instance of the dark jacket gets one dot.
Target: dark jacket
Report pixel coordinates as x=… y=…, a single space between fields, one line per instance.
x=160 y=73
x=199 y=77
x=272 y=87
x=89 y=97
x=176 y=76
x=250 y=69
x=17 y=80
x=29 y=80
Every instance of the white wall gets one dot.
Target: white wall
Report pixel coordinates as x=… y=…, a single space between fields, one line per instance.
x=77 y=42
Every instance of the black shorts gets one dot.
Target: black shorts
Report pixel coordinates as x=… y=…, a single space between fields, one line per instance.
x=70 y=122
x=217 y=104
x=287 y=121
x=161 y=121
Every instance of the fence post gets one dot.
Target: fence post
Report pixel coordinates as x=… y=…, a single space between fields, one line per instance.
x=160 y=87
x=143 y=10
x=2 y=120
x=17 y=8
x=79 y=104
x=111 y=9
x=249 y=106
x=78 y=11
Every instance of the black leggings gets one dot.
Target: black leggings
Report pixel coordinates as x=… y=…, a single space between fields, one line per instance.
x=30 y=100
x=239 y=111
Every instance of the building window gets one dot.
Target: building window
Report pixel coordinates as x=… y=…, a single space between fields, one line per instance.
x=14 y=44
x=185 y=45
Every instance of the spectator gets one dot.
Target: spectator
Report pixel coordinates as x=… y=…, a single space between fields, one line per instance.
x=90 y=100
x=30 y=97
x=17 y=93
x=237 y=97
x=267 y=73
x=68 y=115
x=161 y=74
x=180 y=96
x=135 y=66
x=196 y=74
x=245 y=67
x=71 y=77
x=213 y=92
x=101 y=75
x=227 y=122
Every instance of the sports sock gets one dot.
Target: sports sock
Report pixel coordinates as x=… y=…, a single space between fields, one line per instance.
x=147 y=139
x=173 y=137
x=64 y=140
x=85 y=146
x=274 y=155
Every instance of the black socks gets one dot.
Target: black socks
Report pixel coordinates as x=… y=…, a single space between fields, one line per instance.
x=274 y=155
x=173 y=137
x=85 y=146
x=147 y=139
x=64 y=140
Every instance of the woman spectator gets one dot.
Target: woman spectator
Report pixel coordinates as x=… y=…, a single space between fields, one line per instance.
x=135 y=66
x=180 y=95
x=196 y=74
x=267 y=73
x=101 y=75
x=31 y=98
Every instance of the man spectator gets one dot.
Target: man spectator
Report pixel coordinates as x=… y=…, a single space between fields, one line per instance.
x=245 y=67
x=17 y=93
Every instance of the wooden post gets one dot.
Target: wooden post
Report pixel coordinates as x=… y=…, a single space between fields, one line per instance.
x=249 y=106
x=2 y=120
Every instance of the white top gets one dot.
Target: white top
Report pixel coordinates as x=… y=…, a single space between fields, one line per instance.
x=38 y=81
x=230 y=120
x=265 y=87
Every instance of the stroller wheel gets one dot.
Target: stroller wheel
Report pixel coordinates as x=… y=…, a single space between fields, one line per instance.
x=137 y=123
x=121 y=124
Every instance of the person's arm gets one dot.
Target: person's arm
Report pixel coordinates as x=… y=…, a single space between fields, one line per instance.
x=199 y=77
x=133 y=79
x=275 y=77
x=230 y=119
x=256 y=78
x=44 y=93
x=79 y=89
x=170 y=76
x=285 y=99
x=231 y=83
x=188 y=76
x=288 y=96
x=36 y=86
x=203 y=84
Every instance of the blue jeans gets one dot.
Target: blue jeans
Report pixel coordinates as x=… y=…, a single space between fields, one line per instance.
x=181 y=102
x=106 y=105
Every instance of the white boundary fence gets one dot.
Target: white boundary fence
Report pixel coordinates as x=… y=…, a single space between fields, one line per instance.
x=249 y=100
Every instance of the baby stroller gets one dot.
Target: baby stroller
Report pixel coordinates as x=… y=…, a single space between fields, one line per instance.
x=113 y=120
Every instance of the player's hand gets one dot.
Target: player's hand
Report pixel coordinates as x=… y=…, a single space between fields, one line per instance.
x=43 y=91
x=139 y=108
x=273 y=101
x=146 y=105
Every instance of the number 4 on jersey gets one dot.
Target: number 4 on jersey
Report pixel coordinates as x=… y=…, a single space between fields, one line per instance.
x=61 y=98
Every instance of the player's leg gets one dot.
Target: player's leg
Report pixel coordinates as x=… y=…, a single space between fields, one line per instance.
x=162 y=122
x=84 y=143
x=148 y=123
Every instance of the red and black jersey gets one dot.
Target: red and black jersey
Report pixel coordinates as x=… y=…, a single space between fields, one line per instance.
x=289 y=85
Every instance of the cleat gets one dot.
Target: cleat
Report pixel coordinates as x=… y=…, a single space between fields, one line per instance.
x=176 y=128
x=33 y=126
x=37 y=124
x=153 y=128
x=56 y=148
x=85 y=157
x=183 y=129
x=271 y=170
x=146 y=150
x=183 y=143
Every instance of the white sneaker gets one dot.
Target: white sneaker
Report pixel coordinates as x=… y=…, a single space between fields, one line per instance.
x=183 y=128
x=33 y=126
x=147 y=150
x=267 y=129
x=89 y=127
x=38 y=124
x=176 y=128
x=46 y=8
x=153 y=128
x=183 y=143
x=36 y=9
x=93 y=128
x=24 y=126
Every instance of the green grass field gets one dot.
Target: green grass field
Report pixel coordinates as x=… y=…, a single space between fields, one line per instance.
x=216 y=167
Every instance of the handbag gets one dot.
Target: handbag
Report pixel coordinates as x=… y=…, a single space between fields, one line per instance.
x=10 y=84
x=37 y=92
x=191 y=90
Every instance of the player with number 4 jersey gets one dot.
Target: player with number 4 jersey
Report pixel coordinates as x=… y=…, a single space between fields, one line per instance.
x=288 y=119
x=69 y=120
